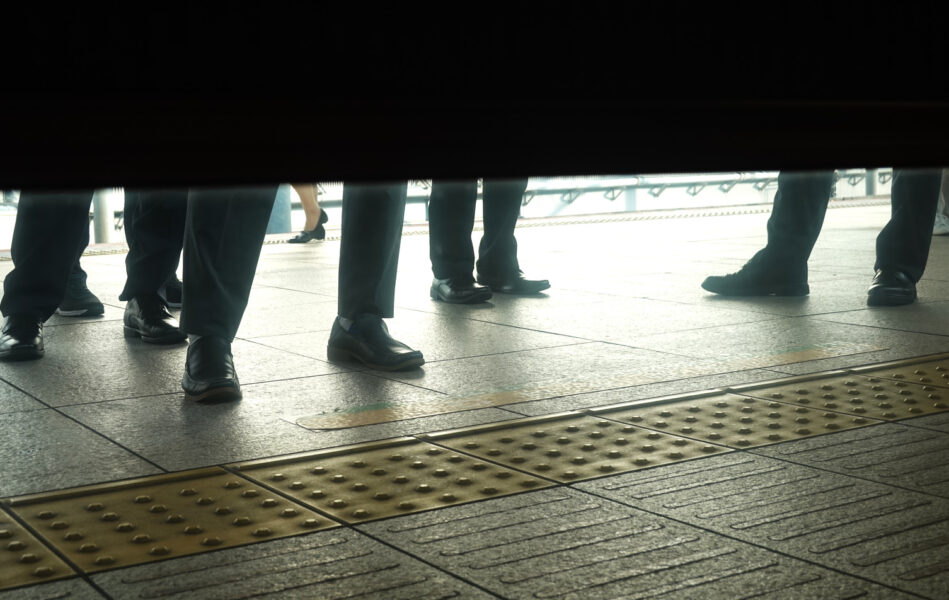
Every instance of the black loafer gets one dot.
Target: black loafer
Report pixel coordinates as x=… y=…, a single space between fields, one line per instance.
x=22 y=338
x=515 y=283
x=368 y=341
x=761 y=276
x=209 y=371
x=891 y=287
x=147 y=317
x=449 y=290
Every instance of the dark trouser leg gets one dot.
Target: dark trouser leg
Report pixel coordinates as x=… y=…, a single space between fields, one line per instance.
x=51 y=231
x=369 y=248
x=154 y=229
x=224 y=231
x=904 y=242
x=451 y=214
x=797 y=216
x=497 y=253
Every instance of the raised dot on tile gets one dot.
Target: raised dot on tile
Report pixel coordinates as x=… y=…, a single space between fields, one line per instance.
x=463 y=481
x=29 y=558
x=59 y=525
x=95 y=506
x=269 y=503
x=401 y=479
x=88 y=548
x=159 y=551
x=278 y=477
x=73 y=536
x=212 y=541
x=232 y=485
x=5 y=534
x=338 y=503
x=222 y=510
x=310 y=523
x=241 y=521
x=360 y=487
x=142 y=538
x=16 y=546
x=447 y=498
x=361 y=513
x=250 y=494
x=104 y=560
x=381 y=496
x=193 y=529
x=318 y=470
x=289 y=512
x=405 y=505
x=204 y=501
x=43 y=572
x=262 y=532
x=297 y=485
x=46 y=515
x=358 y=464
x=125 y=527
x=338 y=478
x=188 y=492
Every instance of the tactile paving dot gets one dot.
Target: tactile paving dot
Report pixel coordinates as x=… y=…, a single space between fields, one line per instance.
x=24 y=559
x=738 y=421
x=378 y=480
x=575 y=448
x=153 y=518
x=870 y=397
x=934 y=373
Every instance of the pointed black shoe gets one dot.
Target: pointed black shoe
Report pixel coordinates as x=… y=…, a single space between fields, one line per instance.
x=515 y=283
x=209 y=371
x=368 y=341
x=21 y=338
x=761 y=277
x=148 y=317
x=449 y=290
x=891 y=287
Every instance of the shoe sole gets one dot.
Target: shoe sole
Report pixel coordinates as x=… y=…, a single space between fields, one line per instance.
x=22 y=354
x=475 y=298
x=338 y=355
x=789 y=292
x=131 y=332
x=501 y=290
x=82 y=312
x=890 y=299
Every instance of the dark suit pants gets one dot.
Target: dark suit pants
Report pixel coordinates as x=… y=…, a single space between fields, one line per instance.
x=451 y=220
x=369 y=248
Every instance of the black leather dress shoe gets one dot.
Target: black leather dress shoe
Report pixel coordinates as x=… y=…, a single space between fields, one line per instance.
x=209 y=371
x=148 y=317
x=891 y=287
x=515 y=283
x=449 y=290
x=368 y=341
x=761 y=276
x=22 y=338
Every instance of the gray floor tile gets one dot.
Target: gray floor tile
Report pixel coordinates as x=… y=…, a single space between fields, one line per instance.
x=796 y=345
x=939 y=422
x=94 y=362
x=277 y=319
x=332 y=564
x=71 y=589
x=890 y=453
x=563 y=544
x=42 y=450
x=892 y=536
x=551 y=372
x=13 y=400
x=113 y=312
x=179 y=434
x=929 y=318
x=640 y=392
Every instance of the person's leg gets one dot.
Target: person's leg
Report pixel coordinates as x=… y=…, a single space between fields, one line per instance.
x=941 y=224
x=498 y=267
x=368 y=263
x=315 y=216
x=451 y=214
x=903 y=245
x=51 y=231
x=78 y=301
x=780 y=268
x=154 y=229
x=224 y=232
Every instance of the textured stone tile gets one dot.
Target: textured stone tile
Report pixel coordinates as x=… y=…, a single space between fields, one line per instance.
x=13 y=400
x=640 y=392
x=938 y=422
x=551 y=372
x=563 y=544
x=886 y=534
x=277 y=319
x=94 y=362
x=922 y=317
x=113 y=312
x=71 y=589
x=43 y=450
x=891 y=454
x=179 y=434
x=793 y=345
x=337 y=564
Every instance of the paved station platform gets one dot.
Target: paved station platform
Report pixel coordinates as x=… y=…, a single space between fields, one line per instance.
x=625 y=435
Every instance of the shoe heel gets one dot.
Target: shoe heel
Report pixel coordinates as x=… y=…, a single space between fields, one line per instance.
x=337 y=355
x=129 y=332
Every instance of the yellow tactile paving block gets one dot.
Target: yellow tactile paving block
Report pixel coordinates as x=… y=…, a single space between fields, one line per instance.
x=128 y=523
x=395 y=477
x=932 y=373
x=870 y=397
x=575 y=447
x=736 y=421
x=24 y=560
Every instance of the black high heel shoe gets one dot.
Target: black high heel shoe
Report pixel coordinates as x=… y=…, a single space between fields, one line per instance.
x=317 y=233
x=320 y=233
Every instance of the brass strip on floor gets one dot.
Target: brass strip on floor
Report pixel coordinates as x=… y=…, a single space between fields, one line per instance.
x=383 y=479
x=143 y=520
x=25 y=560
x=932 y=373
x=573 y=447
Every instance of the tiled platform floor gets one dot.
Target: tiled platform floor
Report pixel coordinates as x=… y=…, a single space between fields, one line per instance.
x=862 y=511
